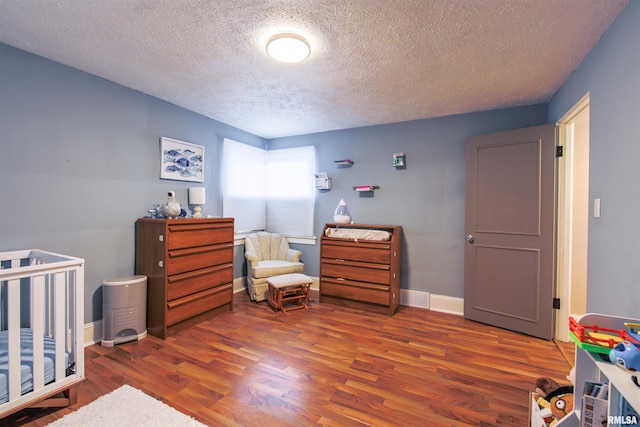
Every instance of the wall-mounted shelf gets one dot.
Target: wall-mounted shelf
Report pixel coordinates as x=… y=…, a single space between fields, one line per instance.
x=365 y=187
x=344 y=162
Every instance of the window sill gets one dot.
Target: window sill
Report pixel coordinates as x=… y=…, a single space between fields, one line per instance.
x=238 y=239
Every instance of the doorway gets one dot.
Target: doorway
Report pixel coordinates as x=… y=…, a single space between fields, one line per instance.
x=573 y=216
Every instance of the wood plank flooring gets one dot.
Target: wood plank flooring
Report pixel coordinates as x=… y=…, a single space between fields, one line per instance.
x=329 y=366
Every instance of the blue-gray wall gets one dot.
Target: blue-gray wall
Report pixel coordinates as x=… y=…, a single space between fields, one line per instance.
x=79 y=164
x=611 y=74
x=426 y=198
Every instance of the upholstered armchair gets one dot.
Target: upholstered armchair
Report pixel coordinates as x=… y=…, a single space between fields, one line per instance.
x=267 y=255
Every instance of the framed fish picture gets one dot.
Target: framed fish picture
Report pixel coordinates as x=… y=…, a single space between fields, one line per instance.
x=181 y=160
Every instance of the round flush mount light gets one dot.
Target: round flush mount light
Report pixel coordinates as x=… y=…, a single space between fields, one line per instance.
x=288 y=48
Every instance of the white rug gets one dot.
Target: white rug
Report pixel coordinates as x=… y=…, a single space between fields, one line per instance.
x=126 y=406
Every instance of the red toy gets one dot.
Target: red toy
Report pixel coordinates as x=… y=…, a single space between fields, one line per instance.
x=601 y=340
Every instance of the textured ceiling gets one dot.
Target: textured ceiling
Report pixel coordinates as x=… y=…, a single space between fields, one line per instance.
x=372 y=61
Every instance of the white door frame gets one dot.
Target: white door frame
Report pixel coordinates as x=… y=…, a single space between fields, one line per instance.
x=564 y=224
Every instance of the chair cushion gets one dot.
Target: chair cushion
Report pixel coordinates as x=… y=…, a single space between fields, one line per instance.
x=285 y=280
x=270 y=268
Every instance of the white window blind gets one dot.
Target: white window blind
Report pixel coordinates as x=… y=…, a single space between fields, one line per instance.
x=291 y=191
x=272 y=190
x=244 y=187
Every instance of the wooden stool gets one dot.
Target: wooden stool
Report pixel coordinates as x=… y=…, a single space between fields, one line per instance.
x=292 y=288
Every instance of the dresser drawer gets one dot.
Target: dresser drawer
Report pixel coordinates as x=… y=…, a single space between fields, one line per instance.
x=183 y=260
x=188 y=283
x=365 y=292
x=359 y=271
x=199 y=234
x=192 y=305
x=366 y=252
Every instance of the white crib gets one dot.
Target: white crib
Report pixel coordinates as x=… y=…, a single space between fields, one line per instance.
x=41 y=329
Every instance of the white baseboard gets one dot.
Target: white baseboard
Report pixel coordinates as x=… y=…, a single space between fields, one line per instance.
x=239 y=284
x=446 y=304
x=92 y=333
x=440 y=303
x=414 y=298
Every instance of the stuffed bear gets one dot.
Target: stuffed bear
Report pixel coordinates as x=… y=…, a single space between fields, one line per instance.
x=550 y=394
x=545 y=385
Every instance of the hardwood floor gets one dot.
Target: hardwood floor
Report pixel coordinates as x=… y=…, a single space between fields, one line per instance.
x=329 y=366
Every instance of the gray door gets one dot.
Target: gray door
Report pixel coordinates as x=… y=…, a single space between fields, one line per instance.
x=509 y=257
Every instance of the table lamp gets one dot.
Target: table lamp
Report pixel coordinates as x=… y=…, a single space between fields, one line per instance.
x=197 y=198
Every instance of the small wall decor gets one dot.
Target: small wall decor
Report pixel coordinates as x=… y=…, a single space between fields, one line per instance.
x=323 y=181
x=399 y=160
x=181 y=160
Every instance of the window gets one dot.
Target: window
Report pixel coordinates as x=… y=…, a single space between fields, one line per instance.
x=291 y=191
x=243 y=186
x=269 y=190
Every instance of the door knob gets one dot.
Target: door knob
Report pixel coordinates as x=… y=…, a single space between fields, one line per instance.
x=469 y=238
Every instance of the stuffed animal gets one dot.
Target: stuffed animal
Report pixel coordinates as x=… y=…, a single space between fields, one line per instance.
x=557 y=398
x=561 y=405
x=545 y=385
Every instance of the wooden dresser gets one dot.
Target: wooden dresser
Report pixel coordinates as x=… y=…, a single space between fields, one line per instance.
x=189 y=265
x=363 y=274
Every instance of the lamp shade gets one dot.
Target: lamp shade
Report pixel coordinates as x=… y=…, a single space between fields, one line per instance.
x=196 y=196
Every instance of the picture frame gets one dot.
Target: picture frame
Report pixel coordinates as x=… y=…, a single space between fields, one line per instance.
x=181 y=161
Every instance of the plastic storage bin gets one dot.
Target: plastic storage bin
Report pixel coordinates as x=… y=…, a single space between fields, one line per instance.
x=124 y=310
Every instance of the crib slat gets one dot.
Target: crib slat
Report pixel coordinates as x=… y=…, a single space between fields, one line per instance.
x=77 y=321
x=37 y=326
x=13 y=307
x=59 y=293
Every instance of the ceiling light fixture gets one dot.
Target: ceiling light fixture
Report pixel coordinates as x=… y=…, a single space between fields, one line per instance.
x=288 y=48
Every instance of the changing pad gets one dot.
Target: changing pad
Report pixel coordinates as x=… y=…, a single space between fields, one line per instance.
x=358 y=233
x=26 y=359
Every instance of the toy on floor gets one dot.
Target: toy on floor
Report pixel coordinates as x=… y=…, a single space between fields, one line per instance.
x=546 y=385
x=555 y=401
x=561 y=405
